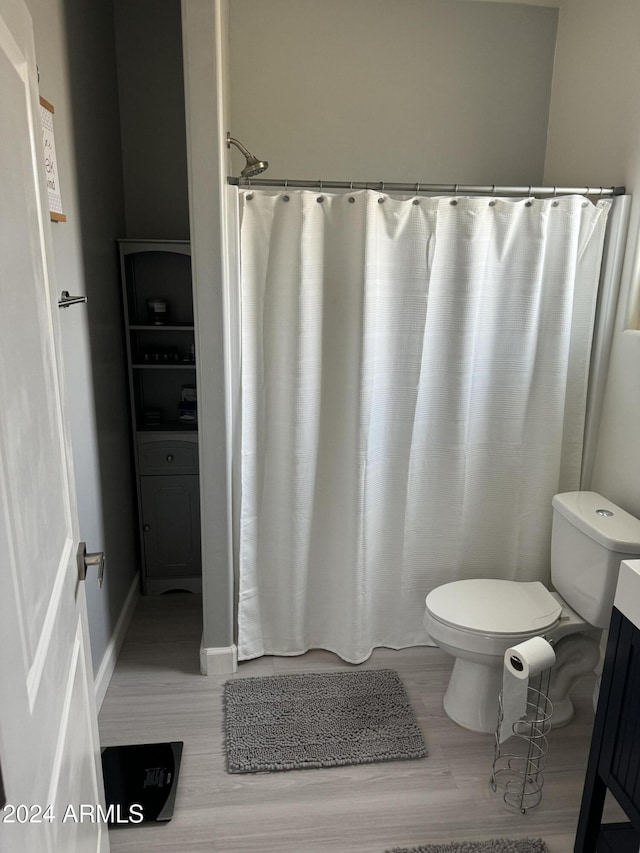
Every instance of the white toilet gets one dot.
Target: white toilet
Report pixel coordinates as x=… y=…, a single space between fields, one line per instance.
x=476 y=621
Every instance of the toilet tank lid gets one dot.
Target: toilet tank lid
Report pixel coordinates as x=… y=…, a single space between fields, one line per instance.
x=589 y=512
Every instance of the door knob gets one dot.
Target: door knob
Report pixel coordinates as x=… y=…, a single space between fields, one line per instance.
x=85 y=560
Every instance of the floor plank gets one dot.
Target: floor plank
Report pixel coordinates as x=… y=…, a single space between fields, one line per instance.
x=157 y=694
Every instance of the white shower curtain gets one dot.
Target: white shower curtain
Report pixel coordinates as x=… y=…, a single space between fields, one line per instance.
x=414 y=377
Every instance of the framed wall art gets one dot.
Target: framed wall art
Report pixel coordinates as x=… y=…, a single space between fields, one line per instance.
x=50 y=163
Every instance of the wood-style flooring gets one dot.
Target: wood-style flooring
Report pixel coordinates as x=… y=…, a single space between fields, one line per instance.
x=157 y=694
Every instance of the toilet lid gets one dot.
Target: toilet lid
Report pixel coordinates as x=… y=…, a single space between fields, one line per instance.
x=489 y=606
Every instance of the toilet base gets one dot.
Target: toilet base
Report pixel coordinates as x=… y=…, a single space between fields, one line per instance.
x=474 y=688
x=471 y=699
x=576 y=655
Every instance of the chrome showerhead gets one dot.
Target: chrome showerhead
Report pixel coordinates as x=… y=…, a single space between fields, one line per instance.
x=253 y=166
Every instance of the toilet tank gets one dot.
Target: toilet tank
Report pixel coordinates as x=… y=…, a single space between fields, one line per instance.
x=590 y=537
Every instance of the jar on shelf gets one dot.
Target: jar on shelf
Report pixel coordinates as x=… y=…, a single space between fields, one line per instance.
x=158 y=310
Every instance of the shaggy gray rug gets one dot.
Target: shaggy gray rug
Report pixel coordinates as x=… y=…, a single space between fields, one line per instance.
x=498 y=845
x=292 y=722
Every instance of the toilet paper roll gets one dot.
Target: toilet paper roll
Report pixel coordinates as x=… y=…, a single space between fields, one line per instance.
x=521 y=663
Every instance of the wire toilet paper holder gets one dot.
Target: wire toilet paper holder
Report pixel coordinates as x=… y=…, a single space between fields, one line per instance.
x=520 y=760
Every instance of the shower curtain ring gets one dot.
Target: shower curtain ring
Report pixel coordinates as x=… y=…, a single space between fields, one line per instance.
x=417 y=189
x=351 y=187
x=455 y=189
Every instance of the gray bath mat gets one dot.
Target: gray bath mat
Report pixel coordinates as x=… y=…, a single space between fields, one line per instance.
x=292 y=722
x=498 y=845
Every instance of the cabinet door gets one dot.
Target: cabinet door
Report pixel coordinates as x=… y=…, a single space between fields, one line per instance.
x=171 y=525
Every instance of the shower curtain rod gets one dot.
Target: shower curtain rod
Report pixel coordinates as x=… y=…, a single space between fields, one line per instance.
x=381 y=186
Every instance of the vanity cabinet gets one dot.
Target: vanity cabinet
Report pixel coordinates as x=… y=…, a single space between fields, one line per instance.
x=614 y=757
x=160 y=338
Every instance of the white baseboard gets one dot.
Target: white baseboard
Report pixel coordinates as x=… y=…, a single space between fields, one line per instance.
x=108 y=664
x=218 y=660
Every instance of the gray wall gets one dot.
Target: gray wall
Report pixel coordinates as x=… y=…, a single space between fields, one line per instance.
x=204 y=29
x=435 y=90
x=154 y=153
x=444 y=90
x=594 y=136
x=76 y=60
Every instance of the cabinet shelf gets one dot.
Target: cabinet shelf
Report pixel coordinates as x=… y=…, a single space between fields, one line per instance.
x=179 y=366
x=618 y=838
x=175 y=327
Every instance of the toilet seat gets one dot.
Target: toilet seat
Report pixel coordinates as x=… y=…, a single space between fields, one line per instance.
x=494 y=608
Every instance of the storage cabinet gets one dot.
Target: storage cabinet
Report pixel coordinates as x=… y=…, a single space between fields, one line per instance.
x=171 y=526
x=160 y=335
x=614 y=758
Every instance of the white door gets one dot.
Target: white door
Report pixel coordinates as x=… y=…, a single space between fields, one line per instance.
x=49 y=752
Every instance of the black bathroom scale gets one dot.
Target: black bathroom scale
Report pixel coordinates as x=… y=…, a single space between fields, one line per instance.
x=140 y=782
